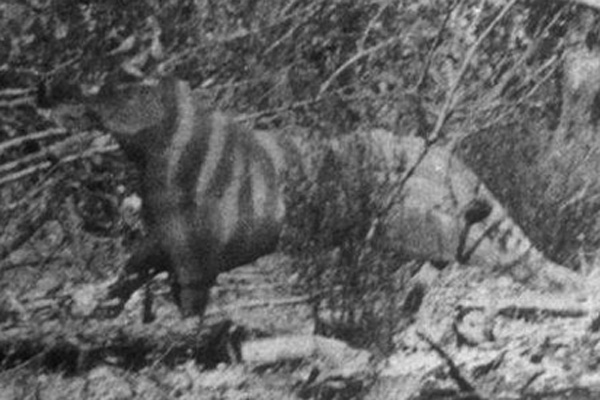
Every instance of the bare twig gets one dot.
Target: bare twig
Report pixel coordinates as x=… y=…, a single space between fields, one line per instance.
x=15 y=102
x=57 y=151
x=590 y=3
x=28 y=226
x=436 y=43
x=261 y=303
x=29 y=196
x=15 y=92
x=500 y=118
x=301 y=20
x=448 y=106
x=48 y=133
x=531 y=50
x=552 y=65
x=25 y=173
x=360 y=45
x=288 y=107
x=47 y=165
x=23 y=162
x=463 y=384
x=288 y=7
x=353 y=60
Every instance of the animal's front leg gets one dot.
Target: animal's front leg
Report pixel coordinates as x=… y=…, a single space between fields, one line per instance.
x=147 y=261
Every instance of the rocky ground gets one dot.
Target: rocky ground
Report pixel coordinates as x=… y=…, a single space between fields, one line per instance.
x=476 y=333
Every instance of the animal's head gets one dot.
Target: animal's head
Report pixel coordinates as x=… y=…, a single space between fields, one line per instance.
x=123 y=109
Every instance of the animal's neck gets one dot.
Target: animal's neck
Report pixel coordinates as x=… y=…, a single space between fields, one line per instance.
x=169 y=144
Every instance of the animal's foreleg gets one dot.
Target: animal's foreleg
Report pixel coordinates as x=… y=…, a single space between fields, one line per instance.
x=146 y=262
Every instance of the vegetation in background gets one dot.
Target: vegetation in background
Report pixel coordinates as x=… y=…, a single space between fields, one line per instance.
x=486 y=75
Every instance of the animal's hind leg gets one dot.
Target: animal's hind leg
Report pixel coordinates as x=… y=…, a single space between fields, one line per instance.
x=194 y=275
x=191 y=298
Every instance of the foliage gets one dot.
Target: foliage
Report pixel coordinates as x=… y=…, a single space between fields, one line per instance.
x=541 y=159
x=472 y=71
x=332 y=232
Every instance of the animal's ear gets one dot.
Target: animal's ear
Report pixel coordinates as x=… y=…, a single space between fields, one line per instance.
x=49 y=93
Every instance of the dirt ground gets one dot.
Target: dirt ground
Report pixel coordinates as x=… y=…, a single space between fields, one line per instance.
x=476 y=332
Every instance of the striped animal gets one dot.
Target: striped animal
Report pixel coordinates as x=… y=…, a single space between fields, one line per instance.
x=212 y=196
x=211 y=190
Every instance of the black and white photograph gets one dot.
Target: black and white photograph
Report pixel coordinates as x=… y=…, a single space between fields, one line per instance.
x=300 y=199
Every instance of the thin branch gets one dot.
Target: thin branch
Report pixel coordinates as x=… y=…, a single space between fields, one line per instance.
x=590 y=3
x=28 y=226
x=15 y=92
x=23 y=162
x=310 y=12
x=35 y=263
x=72 y=144
x=533 y=47
x=288 y=107
x=47 y=165
x=552 y=65
x=353 y=60
x=31 y=194
x=361 y=42
x=25 y=173
x=49 y=133
x=434 y=47
x=463 y=384
x=451 y=97
x=290 y=301
x=16 y=102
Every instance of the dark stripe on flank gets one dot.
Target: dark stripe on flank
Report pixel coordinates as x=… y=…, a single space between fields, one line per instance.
x=246 y=210
x=193 y=159
x=223 y=175
x=187 y=170
x=261 y=157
